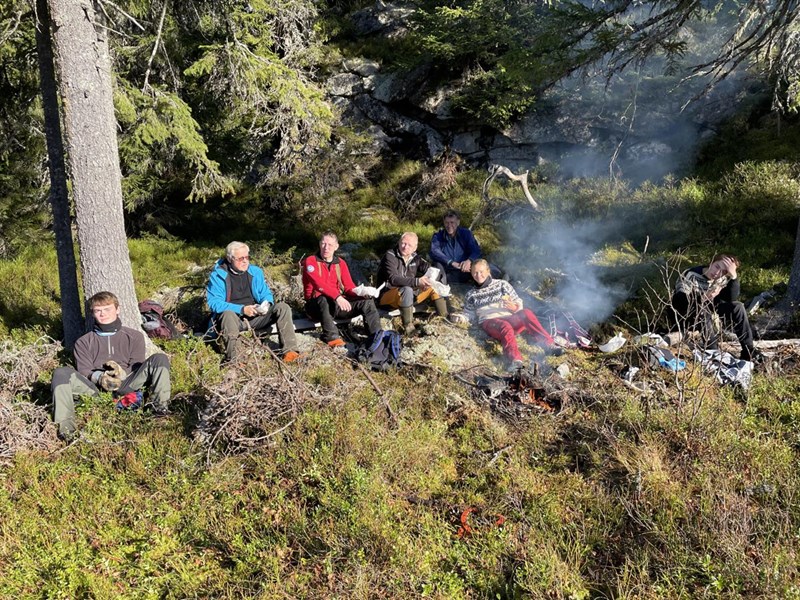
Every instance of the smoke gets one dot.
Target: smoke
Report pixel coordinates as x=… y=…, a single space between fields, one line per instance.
x=634 y=127
x=559 y=259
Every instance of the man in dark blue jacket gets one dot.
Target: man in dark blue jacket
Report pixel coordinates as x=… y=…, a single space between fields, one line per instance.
x=454 y=249
x=240 y=299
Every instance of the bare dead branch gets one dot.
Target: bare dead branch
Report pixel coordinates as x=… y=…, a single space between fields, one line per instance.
x=146 y=83
x=125 y=14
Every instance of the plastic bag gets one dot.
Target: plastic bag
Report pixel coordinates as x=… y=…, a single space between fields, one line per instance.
x=614 y=344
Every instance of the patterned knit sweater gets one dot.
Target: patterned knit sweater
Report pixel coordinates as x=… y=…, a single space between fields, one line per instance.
x=693 y=281
x=486 y=301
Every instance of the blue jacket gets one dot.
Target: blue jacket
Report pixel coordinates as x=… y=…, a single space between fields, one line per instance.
x=218 y=290
x=445 y=249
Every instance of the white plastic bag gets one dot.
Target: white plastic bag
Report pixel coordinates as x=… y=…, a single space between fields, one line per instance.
x=440 y=288
x=614 y=344
x=365 y=291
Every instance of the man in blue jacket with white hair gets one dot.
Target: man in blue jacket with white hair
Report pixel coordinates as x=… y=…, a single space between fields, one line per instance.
x=240 y=299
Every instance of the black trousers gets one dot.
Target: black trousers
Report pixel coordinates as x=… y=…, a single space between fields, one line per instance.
x=452 y=275
x=693 y=313
x=326 y=311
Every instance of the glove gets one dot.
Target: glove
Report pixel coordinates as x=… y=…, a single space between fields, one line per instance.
x=263 y=308
x=108 y=382
x=112 y=368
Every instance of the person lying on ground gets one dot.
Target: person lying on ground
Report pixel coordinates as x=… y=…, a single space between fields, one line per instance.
x=111 y=358
x=330 y=293
x=403 y=273
x=240 y=299
x=703 y=291
x=454 y=249
x=496 y=307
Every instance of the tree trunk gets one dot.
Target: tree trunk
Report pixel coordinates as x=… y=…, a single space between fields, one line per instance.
x=71 y=314
x=793 y=294
x=85 y=84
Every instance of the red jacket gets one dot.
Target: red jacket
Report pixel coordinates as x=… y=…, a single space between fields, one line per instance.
x=320 y=279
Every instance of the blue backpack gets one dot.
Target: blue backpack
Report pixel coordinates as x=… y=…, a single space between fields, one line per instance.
x=383 y=352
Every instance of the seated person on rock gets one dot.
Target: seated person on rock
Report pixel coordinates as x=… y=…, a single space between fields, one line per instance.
x=240 y=299
x=110 y=358
x=703 y=291
x=496 y=307
x=402 y=271
x=453 y=249
x=331 y=294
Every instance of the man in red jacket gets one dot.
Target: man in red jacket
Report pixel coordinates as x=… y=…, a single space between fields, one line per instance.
x=330 y=292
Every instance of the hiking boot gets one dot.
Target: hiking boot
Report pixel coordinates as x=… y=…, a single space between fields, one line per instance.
x=160 y=411
x=754 y=356
x=291 y=356
x=407 y=317
x=553 y=351
x=409 y=329
x=68 y=435
x=441 y=307
x=336 y=343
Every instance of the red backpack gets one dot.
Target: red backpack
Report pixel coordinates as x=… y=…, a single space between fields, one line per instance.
x=154 y=323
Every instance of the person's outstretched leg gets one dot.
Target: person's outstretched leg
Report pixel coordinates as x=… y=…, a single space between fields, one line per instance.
x=228 y=325
x=503 y=332
x=67 y=383
x=534 y=327
x=319 y=309
x=734 y=315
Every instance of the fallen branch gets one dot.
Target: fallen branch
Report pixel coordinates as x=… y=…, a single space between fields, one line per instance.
x=486 y=200
x=389 y=411
x=498 y=454
x=770 y=344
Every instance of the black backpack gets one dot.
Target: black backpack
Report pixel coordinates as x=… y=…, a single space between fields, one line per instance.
x=383 y=353
x=154 y=323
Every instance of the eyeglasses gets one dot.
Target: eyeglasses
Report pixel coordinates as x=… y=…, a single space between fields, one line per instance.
x=241 y=259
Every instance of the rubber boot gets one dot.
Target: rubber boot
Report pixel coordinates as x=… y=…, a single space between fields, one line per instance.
x=441 y=307
x=407 y=316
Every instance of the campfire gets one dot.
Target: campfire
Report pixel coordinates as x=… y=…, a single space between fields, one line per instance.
x=521 y=394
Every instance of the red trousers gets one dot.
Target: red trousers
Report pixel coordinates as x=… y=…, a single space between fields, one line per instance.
x=505 y=330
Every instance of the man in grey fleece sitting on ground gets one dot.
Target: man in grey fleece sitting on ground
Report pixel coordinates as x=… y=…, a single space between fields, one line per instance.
x=111 y=357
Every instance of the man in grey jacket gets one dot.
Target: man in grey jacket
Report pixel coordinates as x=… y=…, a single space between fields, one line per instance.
x=111 y=358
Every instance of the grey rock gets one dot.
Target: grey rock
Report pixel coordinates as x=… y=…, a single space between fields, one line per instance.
x=397 y=85
x=345 y=84
x=361 y=66
x=467 y=143
x=385 y=18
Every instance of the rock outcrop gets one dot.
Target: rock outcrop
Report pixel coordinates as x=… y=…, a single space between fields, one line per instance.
x=634 y=126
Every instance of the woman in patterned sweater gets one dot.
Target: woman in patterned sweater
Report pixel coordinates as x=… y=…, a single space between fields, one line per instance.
x=496 y=307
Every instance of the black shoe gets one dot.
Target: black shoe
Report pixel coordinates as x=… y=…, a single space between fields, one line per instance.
x=160 y=412
x=553 y=351
x=68 y=436
x=759 y=358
